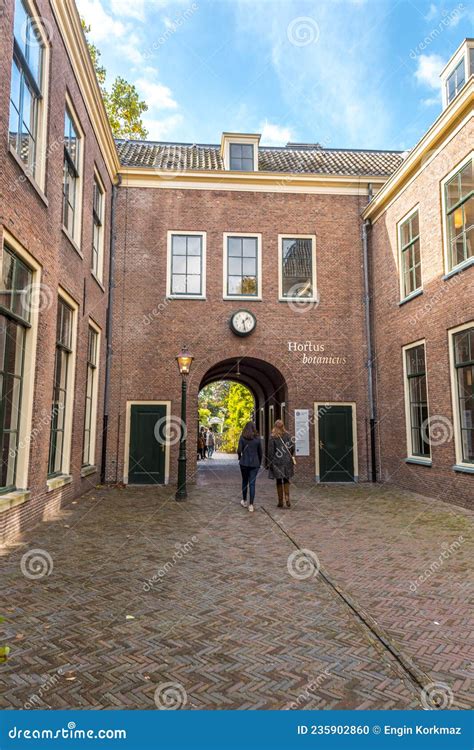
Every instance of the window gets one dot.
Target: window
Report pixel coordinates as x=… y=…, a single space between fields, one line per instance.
x=97 y=229
x=459 y=202
x=241 y=157
x=416 y=399
x=242 y=266
x=72 y=147
x=15 y=307
x=297 y=267
x=186 y=264
x=88 y=455
x=62 y=386
x=410 y=256
x=455 y=81
x=26 y=94
x=463 y=382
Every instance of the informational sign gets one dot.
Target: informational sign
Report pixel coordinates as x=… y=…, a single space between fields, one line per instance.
x=302 y=432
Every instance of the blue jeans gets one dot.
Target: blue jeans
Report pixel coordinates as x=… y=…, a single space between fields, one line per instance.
x=249 y=476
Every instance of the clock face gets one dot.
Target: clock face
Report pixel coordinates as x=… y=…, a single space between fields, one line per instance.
x=243 y=322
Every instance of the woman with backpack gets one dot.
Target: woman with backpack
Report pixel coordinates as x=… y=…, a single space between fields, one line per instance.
x=249 y=452
x=281 y=461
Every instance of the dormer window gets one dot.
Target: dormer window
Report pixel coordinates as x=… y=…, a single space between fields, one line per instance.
x=457 y=72
x=239 y=151
x=455 y=82
x=241 y=157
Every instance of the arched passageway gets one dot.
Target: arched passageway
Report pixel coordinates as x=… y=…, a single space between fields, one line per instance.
x=263 y=379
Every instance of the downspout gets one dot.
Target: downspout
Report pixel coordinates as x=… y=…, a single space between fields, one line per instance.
x=108 y=331
x=368 y=334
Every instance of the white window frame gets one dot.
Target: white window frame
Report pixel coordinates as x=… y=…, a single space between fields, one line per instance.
x=289 y=236
x=38 y=173
x=76 y=236
x=462 y=53
x=95 y=398
x=25 y=434
x=469 y=157
x=128 y=420
x=242 y=139
x=245 y=297
x=400 y=223
x=65 y=475
x=409 y=442
x=99 y=276
x=355 y=450
x=454 y=396
x=169 y=245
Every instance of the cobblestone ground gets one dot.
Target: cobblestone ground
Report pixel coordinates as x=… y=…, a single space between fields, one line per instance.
x=147 y=602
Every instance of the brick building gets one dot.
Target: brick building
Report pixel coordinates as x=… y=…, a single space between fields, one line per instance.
x=336 y=284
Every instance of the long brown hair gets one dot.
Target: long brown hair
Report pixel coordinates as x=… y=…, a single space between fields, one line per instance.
x=250 y=431
x=279 y=429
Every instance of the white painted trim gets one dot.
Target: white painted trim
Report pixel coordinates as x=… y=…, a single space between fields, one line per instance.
x=400 y=223
x=128 y=415
x=247 y=139
x=242 y=297
x=77 y=235
x=312 y=237
x=169 y=237
x=454 y=171
x=95 y=396
x=99 y=276
x=355 y=451
x=454 y=396
x=29 y=364
x=462 y=53
x=71 y=378
x=406 y=393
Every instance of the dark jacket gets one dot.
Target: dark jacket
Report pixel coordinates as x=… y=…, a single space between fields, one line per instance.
x=250 y=452
x=280 y=461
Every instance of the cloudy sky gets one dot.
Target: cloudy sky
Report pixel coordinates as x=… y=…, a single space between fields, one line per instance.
x=344 y=73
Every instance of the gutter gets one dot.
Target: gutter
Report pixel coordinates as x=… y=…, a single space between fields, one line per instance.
x=108 y=331
x=368 y=334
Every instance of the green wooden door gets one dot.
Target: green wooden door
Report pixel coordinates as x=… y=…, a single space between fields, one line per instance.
x=147 y=453
x=336 y=444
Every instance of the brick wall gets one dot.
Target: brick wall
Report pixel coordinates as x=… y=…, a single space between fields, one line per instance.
x=443 y=305
x=35 y=221
x=149 y=330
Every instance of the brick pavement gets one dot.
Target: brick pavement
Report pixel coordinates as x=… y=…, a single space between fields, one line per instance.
x=145 y=591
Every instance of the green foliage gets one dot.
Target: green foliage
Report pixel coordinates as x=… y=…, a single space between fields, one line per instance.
x=122 y=103
x=231 y=402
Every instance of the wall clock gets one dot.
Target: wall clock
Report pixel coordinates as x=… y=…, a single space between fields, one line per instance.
x=243 y=323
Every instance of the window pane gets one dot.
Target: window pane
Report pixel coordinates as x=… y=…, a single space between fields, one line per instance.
x=234 y=245
x=247 y=151
x=179 y=264
x=178 y=284
x=249 y=247
x=194 y=264
x=179 y=245
x=247 y=165
x=462 y=352
x=235 y=266
x=405 y=233
x=249 y=285
x=235 y=285
x=466 y=179
x=194 y=245
x=452 y=192
x=297 y=268
x=194 y=285
x=249 y=267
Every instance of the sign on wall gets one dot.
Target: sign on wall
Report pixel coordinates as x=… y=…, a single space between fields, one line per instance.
x=302 y=432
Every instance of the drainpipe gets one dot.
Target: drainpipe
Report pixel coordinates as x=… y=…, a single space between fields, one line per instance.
x=368 y=335
x=108 y=331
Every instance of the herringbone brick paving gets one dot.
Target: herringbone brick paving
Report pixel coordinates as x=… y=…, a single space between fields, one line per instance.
x=215 y=610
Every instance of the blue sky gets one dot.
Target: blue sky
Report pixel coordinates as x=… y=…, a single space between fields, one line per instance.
x=343 y=73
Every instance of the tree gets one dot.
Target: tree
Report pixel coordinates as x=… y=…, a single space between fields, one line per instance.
x=122 y=103
x=240 y=408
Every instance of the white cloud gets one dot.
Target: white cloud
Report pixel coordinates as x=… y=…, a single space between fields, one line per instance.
x=162 y=129
x=132 y=49
x=128 y=8
x=428 y=70
x=156 y=95
x=103 y=26
x=432 y=12
x=275 y=135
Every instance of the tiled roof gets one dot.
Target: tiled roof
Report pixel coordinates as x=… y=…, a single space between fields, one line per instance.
x=304 y=159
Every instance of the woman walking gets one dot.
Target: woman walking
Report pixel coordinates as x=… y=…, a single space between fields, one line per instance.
x=249 y=452
x=281 y=461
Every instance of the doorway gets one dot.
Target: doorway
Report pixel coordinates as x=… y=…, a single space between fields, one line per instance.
x=336 y=448
x=146 y=459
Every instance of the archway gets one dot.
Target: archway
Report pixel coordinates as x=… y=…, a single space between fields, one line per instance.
x=264 y=380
